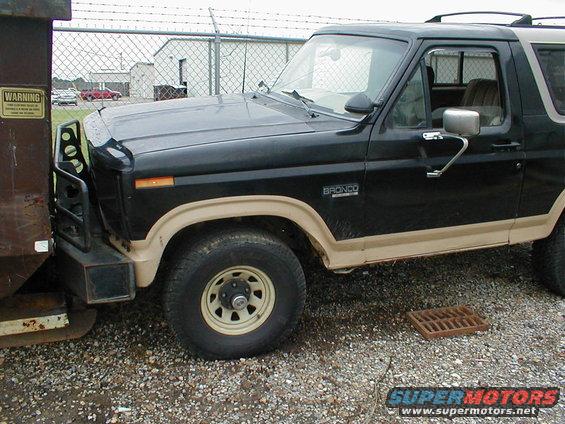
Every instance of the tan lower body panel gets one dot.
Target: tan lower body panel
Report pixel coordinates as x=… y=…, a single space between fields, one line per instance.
x=147 y=253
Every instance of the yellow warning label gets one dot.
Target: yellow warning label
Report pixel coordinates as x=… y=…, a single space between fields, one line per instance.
x=22 y=103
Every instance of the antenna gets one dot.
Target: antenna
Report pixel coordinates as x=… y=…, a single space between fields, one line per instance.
x=217 y=41
x=245 y=52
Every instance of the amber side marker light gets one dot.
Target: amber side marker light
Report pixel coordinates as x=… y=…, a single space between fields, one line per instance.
x=154 y=182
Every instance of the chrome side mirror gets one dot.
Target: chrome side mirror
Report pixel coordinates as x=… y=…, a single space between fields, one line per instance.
x=459 y=124
x=463 y=122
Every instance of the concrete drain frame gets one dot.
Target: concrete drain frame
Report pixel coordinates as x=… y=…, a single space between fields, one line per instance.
x=447 y=322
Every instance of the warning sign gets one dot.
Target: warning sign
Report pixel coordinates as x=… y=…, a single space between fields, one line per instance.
x=22 y=103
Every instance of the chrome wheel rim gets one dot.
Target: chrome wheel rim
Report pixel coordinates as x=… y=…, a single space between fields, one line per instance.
x=223 y=306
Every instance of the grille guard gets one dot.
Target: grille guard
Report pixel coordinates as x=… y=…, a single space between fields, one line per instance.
x=72 y=200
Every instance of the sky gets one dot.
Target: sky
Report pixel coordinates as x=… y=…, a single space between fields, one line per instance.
x=188 y=15
x=75 y=54
x=407 y=11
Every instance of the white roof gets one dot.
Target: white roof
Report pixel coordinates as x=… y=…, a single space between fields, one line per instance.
x=540 y=34
x=529 y=36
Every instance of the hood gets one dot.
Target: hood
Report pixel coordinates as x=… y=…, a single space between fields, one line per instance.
x=163 y=125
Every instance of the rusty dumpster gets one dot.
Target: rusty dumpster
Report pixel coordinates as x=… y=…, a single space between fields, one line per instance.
x=25 y=136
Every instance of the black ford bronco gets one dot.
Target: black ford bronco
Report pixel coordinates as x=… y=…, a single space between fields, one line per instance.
x=377 y=142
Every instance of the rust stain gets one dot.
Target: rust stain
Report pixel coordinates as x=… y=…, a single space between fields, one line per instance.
x=33 y=324
x=29 y=323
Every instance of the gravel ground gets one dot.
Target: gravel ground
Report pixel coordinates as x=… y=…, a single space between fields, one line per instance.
x=353 y=344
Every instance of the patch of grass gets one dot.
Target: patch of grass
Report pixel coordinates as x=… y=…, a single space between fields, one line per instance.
x=58 y=116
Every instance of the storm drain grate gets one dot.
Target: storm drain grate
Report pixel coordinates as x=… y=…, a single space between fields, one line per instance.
x=444 y=322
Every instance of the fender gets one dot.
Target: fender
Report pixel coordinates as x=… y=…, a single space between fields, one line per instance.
x=146 y=254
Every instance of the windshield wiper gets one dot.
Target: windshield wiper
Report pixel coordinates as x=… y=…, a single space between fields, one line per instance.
x=296 y=95
x=263 y=84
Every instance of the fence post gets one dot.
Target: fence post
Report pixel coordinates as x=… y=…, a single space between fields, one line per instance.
x=217 y=42
x=210 y=67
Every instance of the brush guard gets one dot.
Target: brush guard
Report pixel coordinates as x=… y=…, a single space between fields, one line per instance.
x=91 y=268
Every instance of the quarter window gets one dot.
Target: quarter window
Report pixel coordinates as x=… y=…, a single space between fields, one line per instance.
x=552 y=63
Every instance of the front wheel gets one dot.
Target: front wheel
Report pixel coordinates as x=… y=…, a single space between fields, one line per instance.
x=549 y=259
x=234 y=293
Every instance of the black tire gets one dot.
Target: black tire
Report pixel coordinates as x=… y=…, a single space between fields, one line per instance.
x=195 y=267
x=549 y=259
x=89 y=98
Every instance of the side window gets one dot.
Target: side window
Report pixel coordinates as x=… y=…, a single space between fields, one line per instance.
x=410 y=108
x=445 y=64
x=465 y=78
x=552 y=63
x=478 y=65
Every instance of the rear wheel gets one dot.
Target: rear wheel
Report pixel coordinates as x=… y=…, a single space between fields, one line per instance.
x=234 y=293
x=549 y=259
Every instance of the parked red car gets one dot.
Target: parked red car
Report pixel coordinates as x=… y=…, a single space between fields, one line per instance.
x=96 y=93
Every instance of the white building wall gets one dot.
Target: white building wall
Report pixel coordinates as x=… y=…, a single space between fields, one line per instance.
x=168 y=58
x=142 y=78
x=265 y=61
x=261 y=61
x=102 y=77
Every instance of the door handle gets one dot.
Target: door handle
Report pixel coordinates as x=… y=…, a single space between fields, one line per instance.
x=432 y=135
x=505 y=147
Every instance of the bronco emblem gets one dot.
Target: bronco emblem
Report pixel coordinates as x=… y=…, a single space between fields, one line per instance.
x=341 y=190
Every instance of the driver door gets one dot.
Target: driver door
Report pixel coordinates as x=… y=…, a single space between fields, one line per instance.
x=474 y=203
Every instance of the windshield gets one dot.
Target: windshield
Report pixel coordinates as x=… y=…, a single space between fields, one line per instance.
x=330 y=69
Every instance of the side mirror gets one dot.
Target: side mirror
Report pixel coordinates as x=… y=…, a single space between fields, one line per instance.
x=360 y=103
x=463 y=122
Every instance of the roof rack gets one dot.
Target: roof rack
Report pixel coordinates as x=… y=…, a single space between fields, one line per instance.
x=524 y=19
x=547 y=18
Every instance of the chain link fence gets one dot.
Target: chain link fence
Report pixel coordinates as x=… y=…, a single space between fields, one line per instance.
x=459 y=67
x=106 y=68
x=113 y=54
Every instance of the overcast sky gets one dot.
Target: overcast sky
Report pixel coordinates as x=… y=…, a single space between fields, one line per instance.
x=399 y=10
x=77 y=53
x=393 y=10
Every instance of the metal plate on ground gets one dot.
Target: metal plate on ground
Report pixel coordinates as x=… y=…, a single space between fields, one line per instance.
x=33 y=318
x=80 y=323
x=21 y=306
x=445 y=322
